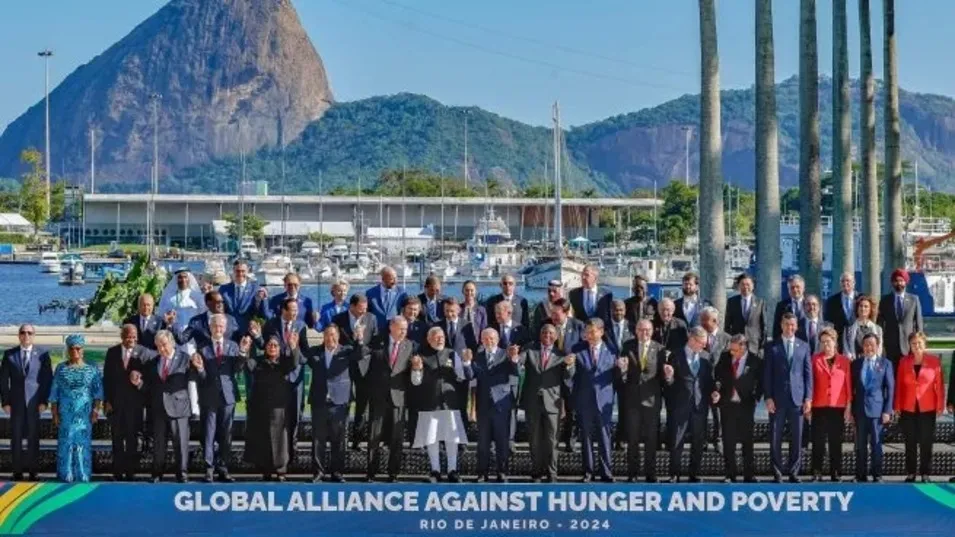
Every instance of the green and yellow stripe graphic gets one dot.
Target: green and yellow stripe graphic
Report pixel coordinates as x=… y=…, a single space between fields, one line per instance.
x=23 y=504
x=941 y=494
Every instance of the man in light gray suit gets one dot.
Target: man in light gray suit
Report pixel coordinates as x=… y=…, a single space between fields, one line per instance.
x=900 y=315
x=716 y=342
x=165 y=378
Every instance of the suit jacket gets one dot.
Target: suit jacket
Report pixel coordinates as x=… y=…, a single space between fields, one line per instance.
x=672 y=335
x=25 y=385
x=573 y=334
x=493 y=371
x=168 y=398
x=688 y=393
x=591 y=380
x=834 y=312
x=118 y=391
x=752 y=326
x=343 y=322
x=327 y=313
x=519 y=335
x=951 y=387
x=872 y=399
x=925 y=388
x=274 y=327
x=831 y=387
x=680 y=312
x=478 y=318
x=748 y=385
x=802 y=332
x=417 y=332
x=716 y=344
x=198 y=331
x=426 y=315
x=384 y=307
x=787 y=384
x=638 y=310
x=610 y=337
x=602 y=306
x=218 y=386
x=147 y=337
x=387 y=384
x=520 y=313
x=896 y=330
x=331 y=384
x=442 y=375
x=642 y=386
x=465 y=336
x=787 y=305
x=306 y=310
x=542 y=382
x=243 y=305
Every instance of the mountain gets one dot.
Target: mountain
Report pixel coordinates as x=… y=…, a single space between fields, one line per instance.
x=231 y=73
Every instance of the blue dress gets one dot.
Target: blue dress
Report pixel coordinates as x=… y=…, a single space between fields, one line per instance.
x=75 y=389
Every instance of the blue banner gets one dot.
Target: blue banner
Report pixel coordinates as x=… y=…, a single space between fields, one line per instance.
x=119 y=509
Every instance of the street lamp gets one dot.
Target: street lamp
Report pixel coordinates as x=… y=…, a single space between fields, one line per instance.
x=466 y=172
x=46 y=55
x=154 y=98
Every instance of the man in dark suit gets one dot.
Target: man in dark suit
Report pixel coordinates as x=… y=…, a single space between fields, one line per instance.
x=900 y=316
x=811 y=324
x=787 y=384
x=329 y=395
x=873 y=387
x=459 y=335
x=618 y=333
x=569 y=333
x=26 y=377
x=336 y=306
x=520 y=310
x=590 y=376
x=357 y=316
x=432 y=307
x=543 y=367
x=590 y=301
x=688 y=388
x=792 y=304
x=283 y=327
x=147 y=323
x=219 y=363
x=739 y=385
x=641 y=305
x=243 y=298
x=669 y=331
x=746 y=314
x=123 y=402
x=165 y=377
x=386 y=298
x=386 y=367
x=716 y=342
x=197 y=328
x=840 y=307
x=417 y=328
x=689 y=306
x=950 y=404
x=640 y=398
x=306 y=310
x=510 y=334
x=493 y=369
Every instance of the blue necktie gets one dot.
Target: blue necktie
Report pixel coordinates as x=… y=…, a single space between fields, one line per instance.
x=846 y=306
x=867 y=373
x=789 y=351
x=590 y=302
x=694 y=365
x=432 y=310
x=898 y=307
x=746 y=309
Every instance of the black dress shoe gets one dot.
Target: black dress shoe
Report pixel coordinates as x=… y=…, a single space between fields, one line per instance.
x=652 y=479
x=536 y=479
x=669 y=480
x=281 y=478
x=632 y=479
x=861 y=479
x=130 y=477
x=207 y=479
x=777 y=479
x=910 y=479
x=370 y=478
x=607 y=479
x=694 y=479
x=729 y=480
x=182 y=479
x=34 y=476
x=337 y=478
x=501 y=478
x=226 y=478
x=815 y=478
x=392 y=479
x=835 y=479
x=587 y=478
x=750 y=479
x=481 y=479
x=434 y=477
x=925 y=479
x=316 y=478
x=453 y=477
x=117 y=477
x=17 y=477
x=794 y=479
x=550 y=479
x=877 y=479
x=157 y=479
x=266 y=477
x=951 y=480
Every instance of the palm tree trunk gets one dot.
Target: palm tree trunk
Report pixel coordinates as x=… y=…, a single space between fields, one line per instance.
x=843 y=248
x=768 y=256
x=871 y=282
x=892 y=198
x=711 y=226
x=810 y=197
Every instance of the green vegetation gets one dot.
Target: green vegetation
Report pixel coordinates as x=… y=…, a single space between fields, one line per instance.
x=115 y=300
x=253 y=226
x=33 y=205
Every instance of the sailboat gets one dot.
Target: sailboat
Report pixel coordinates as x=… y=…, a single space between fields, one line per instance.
x=558 y=266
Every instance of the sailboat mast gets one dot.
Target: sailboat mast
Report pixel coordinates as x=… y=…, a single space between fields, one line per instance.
x=558 y=212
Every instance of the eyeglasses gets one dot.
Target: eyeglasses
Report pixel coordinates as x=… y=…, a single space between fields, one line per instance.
x=26 y=333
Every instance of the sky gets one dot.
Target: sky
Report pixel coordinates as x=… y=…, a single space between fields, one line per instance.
x=513 y=57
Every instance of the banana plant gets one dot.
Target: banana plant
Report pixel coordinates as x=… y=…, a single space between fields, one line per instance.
x=117 y=299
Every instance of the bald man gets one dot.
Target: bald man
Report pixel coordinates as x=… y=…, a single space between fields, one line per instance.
x=386 y=299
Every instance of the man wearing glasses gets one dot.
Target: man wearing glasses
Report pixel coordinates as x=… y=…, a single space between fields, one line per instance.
x=306 y=311
x=520 y=311
x=26 y=376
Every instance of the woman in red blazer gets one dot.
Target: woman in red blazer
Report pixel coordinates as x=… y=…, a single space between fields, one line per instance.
x=831 y=404
x=919 y=397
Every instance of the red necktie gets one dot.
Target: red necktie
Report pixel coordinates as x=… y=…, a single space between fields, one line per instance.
x=288 y=332
x=394 y=355
x=219 y=353
x=735 y=374
x=545 y=356
x=165 y=368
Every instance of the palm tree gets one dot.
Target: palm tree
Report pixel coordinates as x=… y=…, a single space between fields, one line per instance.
x=892 y=198
x=768 y=256
x=810 y=196
x=711 y=226
x=842 y=215
x=871 y=281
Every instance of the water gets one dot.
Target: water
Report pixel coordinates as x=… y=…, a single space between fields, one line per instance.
x=28 y=288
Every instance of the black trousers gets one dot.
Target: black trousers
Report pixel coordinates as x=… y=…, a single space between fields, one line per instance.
x=620 y=434
x=329 y=425
x=361 y=406
x=694 y=425
x=641 y=422
x=387 y=425
x=569 y=421
x=828 y=427
x=124 y=426
x=919 y=431
x=25 y=425
x=737 y=427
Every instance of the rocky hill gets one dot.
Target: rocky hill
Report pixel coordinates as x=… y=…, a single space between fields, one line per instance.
x=231 y=73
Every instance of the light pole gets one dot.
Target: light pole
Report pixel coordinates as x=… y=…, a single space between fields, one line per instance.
x=687 y=131
x=154 y=189
x=46 y=55
x=466 y=172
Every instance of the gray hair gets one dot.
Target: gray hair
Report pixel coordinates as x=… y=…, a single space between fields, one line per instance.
x=166 y=336
x=697 y=332
x=503 y=305
x=807 y=298
x=796 y=278
x=645 y=322
x=217 y=317
x=592 y=268
x=617 y=302
x=739 y=339
x=595 y=322
x=434 y=330
x=668 y=302
x=490 y=331
x=710 y=311
x=397 y=320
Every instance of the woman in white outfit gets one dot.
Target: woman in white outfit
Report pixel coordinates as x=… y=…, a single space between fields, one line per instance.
x=436 y=378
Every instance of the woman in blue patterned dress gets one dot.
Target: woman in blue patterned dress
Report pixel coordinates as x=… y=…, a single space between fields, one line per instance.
x=75 y=400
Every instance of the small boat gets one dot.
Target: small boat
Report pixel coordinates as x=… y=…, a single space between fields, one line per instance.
x=311 y=249
x=443 y=269
x=50 y=263
x=248 y=248
x=72 y=271
x=351 y=270
x=272 y=270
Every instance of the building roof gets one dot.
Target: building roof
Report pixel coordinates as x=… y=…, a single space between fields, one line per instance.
x=295 y=228
x=426 y=232
x=14 y=220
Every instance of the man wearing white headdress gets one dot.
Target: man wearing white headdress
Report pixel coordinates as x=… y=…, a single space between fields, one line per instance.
x=182 y=295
